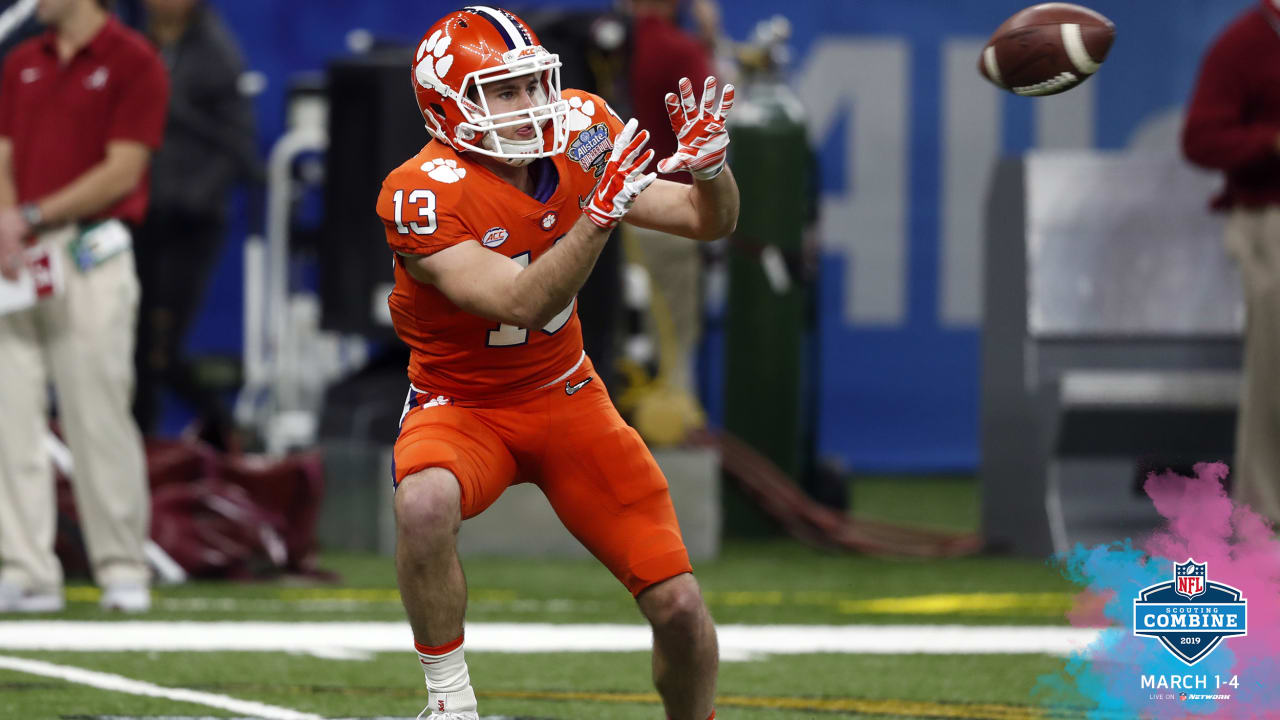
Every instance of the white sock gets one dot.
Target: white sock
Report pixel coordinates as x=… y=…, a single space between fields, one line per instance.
x=448 y=682
x=446 y=671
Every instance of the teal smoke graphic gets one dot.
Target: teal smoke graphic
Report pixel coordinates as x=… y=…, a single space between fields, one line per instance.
x=1240 y=548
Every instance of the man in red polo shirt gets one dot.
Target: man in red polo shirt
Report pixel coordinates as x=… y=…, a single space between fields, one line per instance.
x=662 y=53
x=1233 y=125
x=81 y=108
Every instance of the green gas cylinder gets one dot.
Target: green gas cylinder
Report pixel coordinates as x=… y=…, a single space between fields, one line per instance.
x=768 y=310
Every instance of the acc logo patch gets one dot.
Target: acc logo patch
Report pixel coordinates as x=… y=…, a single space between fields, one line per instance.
x=494 y=237
x=1190 y=615
x=591 y=148
x=511 y=56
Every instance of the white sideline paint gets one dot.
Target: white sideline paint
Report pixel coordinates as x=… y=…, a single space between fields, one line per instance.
x=116 y=683
x=352 y=640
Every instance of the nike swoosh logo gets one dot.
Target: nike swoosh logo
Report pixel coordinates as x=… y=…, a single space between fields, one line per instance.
x=571 y=389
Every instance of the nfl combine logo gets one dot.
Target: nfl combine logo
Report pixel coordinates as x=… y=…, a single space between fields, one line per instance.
x=1190 y=615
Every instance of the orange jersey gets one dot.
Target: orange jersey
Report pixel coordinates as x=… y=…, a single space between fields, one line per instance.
x=440 y=198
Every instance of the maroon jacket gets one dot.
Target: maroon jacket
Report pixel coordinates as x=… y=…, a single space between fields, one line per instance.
x=661 y=54
x=1233 y=123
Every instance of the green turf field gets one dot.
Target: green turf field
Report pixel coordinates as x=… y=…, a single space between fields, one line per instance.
x=752 y=583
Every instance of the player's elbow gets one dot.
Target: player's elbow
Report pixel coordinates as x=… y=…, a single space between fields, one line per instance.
x=526 y=303
x=526 y=319
x=515 y=313
x=540 y=317
x=729 y=224
x=525 y=313
x=721 y=226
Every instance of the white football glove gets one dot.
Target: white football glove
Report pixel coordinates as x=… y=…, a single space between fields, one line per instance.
x=701 y=135
x=623 y=178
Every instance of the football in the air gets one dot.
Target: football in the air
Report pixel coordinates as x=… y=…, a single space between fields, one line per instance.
x=1047 y=49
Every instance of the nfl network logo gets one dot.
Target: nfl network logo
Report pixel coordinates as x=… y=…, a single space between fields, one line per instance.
x=1190 y=615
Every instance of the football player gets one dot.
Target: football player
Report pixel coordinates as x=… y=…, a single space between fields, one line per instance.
x=495 y=224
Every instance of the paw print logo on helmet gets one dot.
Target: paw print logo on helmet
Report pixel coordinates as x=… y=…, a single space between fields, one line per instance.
x=478 y=46
x=432 y=62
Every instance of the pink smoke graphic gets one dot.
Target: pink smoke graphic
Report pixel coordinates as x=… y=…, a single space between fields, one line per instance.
x=1240 y=549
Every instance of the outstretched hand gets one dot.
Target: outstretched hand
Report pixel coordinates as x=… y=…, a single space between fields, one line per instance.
x=623 y=178
x=703 y=141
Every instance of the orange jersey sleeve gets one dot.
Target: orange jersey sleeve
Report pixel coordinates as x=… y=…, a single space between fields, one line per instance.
x=592 y=127
x=421 y=213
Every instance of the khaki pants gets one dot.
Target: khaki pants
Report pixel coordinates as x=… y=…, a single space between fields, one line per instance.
x=82 y=341
x=675 y=268
x=1253 y=239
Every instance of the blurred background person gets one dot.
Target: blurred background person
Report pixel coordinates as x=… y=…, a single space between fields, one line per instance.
x=81 y=108
x=1233 y=125
x=209 y=143
x=662 y=53
x=708 y=28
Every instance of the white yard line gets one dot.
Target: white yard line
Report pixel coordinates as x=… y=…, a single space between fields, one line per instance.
x=352 y=640
x=116 y=683
x=357 y=640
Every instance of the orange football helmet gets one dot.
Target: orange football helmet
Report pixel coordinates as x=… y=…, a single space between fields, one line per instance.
x=468 y=49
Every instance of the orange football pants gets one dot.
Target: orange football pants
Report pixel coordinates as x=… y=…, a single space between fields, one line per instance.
x=568 y=439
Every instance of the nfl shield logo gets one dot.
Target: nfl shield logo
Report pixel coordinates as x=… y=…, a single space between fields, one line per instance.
x=1190 y=615
x=1189 y=578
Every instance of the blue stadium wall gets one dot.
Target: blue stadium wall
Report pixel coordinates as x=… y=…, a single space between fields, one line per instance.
x=907 y=133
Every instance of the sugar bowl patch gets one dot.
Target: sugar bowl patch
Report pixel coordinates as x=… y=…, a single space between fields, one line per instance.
x=591 y=148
